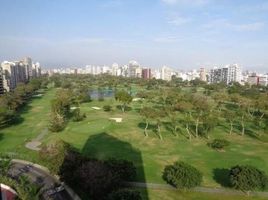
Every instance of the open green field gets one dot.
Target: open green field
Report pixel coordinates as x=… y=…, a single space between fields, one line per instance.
x=99 y=137
x=180 y=195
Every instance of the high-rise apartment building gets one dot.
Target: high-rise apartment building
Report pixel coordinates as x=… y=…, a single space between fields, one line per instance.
x=146 y=73
x=202 y=74
x=1 y=81
x=227 y=74
x=9 y=75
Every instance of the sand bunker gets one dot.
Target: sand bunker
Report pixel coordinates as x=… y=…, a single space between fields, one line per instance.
x=137 y=99
x=96 y=108
x=118 y=120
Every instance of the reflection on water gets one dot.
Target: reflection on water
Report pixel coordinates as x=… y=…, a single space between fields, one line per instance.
x=105 y=93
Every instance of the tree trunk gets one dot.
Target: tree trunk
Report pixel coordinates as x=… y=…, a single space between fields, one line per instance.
x=145 y=130
x=231 y=128
x=262 y=116
x=175 y=131
x=196 y=127
x=123 y=108
x=187 y=129
x=243 y=125
x=159 y=132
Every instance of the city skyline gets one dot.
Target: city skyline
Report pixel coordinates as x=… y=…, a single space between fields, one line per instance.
x=177 y=33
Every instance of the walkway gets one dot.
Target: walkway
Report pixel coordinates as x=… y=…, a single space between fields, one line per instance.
x=197 y=189
x=50 y=185
x=35 y=143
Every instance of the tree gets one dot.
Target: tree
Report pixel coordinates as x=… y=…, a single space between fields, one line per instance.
x=147 y=113
x=158 y=116
x=4 y=166
x=56 y=123
x=201 y=106
x=125 y=194
x=123 y=97
x=125 y=170
x=218 y=144
x=182 y=175
x=230 y=117
x=210 y=121
x=248 y=178
x=77 y=116
x=53 y=154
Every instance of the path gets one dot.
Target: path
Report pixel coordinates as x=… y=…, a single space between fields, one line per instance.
x=35 y=143
x=197 y=189
x=51 y=187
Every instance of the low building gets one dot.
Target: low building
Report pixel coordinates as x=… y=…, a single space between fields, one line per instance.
x=7 y=193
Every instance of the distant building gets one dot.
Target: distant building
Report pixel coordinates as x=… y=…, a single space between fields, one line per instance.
x=1 y=81
x=166 y=73
x=263 y=80
x=9 y=76
x=146 y=73
x=134 y=69
x=227 y=74
x=202 y=74
x=253 y=80
x=28 y=67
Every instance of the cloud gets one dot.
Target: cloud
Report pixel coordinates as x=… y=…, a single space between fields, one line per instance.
x=177 y=20
x=225 y=24
x=166 y=39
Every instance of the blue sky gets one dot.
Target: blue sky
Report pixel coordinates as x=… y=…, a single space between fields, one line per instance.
x=184 y=34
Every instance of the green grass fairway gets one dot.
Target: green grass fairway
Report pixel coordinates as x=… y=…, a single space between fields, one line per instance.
x=99 y=137
x=178 y=195
x=34 y=119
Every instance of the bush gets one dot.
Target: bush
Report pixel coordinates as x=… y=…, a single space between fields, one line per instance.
x=107 y=108
x=77 y=116
x=248 y=178
x=57 y=122
x=125 y=194
x=218 y=144
x=182 y=175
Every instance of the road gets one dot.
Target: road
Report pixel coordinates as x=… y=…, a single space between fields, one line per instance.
x=51 y=188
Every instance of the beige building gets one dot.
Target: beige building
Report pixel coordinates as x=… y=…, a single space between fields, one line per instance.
x=9 y=76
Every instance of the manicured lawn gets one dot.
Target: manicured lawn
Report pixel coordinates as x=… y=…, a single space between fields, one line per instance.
x=99 y=137
x=179 y=195
x=34 y=118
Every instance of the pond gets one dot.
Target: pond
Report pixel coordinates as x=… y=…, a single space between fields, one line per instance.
x=105 y=93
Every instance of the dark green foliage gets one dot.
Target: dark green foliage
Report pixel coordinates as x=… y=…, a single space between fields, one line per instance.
x=123 y=97
x=53 y=155
x=94 y=177
x=107 y=108
x=248 y=178
x=125 y=194
x=56 y=123
x=11 y=102
x=182 y=175
x=77 y=116
x=24 y=188
x=125 y=169
x=219 y=143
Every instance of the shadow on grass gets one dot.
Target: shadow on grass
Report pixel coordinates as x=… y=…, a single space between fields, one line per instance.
x=1 y=136
x=221 y=176
x=104 y=146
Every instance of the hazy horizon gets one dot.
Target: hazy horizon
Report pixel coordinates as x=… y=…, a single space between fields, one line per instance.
x=183 y=34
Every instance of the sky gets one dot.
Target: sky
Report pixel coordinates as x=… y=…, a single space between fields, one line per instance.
x=183 y=34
